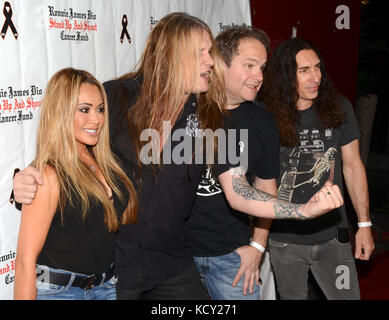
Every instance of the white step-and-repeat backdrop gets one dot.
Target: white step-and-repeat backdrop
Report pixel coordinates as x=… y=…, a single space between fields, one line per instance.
x=39 y=37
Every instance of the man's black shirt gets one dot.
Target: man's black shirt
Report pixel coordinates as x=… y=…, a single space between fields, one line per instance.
x=214 y=227
x=157 y=244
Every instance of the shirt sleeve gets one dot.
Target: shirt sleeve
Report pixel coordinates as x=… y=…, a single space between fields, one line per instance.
x=121 y=95
x=350 y=130
x=110 y=88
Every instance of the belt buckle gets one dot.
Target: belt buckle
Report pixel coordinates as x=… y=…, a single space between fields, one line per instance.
x=90 y=282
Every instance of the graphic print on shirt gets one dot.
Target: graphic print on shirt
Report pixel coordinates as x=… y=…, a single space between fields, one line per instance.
x=307 y=167
x=192 y=128
x=209 y=185
x=241 y=146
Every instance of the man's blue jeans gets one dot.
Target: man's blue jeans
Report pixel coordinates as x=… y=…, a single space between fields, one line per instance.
x=331 y=263
x=106 y=290
x=218 y=273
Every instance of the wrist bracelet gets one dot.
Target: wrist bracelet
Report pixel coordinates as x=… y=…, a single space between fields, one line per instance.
x=257 y=246
x=364 y=224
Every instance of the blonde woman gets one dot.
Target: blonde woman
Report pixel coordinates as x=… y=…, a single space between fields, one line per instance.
x=66 y=238
x=177 y=89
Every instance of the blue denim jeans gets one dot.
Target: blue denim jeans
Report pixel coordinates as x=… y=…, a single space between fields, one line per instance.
x=331 y=263
x=218 y=273
x=106 y=290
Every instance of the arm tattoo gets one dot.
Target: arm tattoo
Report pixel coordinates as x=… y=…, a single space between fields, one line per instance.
x=286 y=210
x=282 y=209
x=242 y=188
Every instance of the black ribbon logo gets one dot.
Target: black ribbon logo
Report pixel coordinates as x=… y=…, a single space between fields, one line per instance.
x=124 y=31
x=8 y=21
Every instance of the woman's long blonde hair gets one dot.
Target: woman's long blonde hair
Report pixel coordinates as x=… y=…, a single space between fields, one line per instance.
x=170 y=48
x=56 y=146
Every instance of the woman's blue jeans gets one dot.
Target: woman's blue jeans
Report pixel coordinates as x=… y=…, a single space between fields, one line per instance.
x=106 y=290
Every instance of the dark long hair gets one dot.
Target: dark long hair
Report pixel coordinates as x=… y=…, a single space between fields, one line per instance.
x=279 y=91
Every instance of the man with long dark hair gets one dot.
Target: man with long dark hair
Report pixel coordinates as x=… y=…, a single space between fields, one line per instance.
x=319 y=140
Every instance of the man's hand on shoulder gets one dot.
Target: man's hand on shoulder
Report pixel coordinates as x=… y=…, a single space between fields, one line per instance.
x=25 y=185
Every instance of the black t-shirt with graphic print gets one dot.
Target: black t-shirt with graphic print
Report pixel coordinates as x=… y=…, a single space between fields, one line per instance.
x=214 y=227
x=304 y=170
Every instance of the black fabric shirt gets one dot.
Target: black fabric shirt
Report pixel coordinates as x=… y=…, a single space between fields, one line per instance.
x=304 y=170
x=77 y=245
x=157 y=244
x=214 y=227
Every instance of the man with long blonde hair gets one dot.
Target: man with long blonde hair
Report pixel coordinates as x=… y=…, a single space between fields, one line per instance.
x=179 y=82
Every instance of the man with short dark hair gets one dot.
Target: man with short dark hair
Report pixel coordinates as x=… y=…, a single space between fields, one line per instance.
x=220 y=236
x=319 y=139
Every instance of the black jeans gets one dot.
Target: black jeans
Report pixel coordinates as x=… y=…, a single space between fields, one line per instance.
x=331 y=263
x=185 y=286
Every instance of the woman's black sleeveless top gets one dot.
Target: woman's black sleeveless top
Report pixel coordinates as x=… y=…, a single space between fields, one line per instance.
x=78 y=245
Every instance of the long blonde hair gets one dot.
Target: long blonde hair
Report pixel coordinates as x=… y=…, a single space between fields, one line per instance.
x=56 y=146
x=170 y=47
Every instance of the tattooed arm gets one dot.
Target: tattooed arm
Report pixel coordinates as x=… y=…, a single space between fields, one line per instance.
x=243 y=197
x=250 y=257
